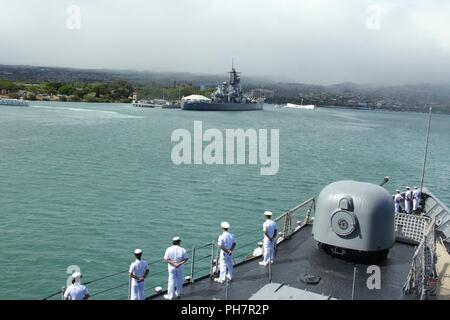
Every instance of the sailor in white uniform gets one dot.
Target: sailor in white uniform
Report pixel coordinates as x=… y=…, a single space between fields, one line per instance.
x=76 y=291
x=270 y=234
x=416 y=199
x=226 y=243
x=397 y=200
x=175 y=257
x=138 y=272
x=408 y=198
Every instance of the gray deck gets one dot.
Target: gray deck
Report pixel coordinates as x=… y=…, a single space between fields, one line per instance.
x=300 y=255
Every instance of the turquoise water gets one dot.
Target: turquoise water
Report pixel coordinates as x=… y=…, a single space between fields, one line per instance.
x=86 y=184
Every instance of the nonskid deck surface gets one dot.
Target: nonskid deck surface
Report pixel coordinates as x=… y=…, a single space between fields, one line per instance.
x=300 y=255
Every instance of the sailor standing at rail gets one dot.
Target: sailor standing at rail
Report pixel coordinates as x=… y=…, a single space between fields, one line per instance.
x=226 y=243
x=175 y=257
x=270 y=234
x=408 y=198
x=416 y=199
x=138 y=272
x=76 y=291
x=397 y=200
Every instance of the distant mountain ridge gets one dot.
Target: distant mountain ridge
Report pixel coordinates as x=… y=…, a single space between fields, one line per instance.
x=39 y=74
x=418 y=95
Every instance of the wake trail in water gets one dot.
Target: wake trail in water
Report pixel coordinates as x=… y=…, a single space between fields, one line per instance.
x=113 y=114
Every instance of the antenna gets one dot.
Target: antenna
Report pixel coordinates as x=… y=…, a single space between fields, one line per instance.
x=426 y=149
x=232 y=63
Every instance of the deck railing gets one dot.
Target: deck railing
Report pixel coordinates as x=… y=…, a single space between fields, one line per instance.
x=422 y=274
x=202 y=259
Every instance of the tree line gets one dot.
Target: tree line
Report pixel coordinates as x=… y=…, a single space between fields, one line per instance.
x=114 y=91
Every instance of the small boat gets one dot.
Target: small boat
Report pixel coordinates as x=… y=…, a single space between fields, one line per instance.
x=143 y=104
x=154 y=103
x=14 y=102
x=300 y=106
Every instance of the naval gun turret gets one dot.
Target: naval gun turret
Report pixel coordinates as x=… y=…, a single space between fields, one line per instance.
x=355 y=220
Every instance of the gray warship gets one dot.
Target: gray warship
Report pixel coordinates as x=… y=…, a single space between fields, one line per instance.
x=347 y=243
x=226 y=97
x=328 y=248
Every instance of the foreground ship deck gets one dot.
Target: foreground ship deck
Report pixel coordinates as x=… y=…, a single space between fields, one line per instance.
x=299 y=256
x=408 y=272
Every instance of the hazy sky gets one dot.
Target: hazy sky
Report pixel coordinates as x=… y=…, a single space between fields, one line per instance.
x=310 y=41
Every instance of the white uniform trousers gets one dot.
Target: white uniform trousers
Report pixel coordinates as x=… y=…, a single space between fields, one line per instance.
x=268 y=251
x=226 y=267
x=137 y=291
x=407 y=206
x=415 y=204
x=397 y=207
x=175 y=282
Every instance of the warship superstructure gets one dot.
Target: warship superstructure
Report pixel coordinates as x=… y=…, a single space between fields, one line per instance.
x=333 y=246
x=227 y=97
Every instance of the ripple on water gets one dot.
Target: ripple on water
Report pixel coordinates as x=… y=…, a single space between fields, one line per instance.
x=90 y=192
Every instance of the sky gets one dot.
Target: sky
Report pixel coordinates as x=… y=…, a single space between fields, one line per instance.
x=387 y=42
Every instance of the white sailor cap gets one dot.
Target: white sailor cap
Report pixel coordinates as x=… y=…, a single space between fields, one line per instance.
x=415 y=187
x=268 y=213
x=407 y=188
x=176 y=239
x=260 y=243
x=76 y=275
x=225 y=225
x=397 y=190
x=138 y=251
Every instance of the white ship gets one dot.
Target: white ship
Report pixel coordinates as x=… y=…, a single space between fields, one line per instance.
x=300 y=106
x=14 y=102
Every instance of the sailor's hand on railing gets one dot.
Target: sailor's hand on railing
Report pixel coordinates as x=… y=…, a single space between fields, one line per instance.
x=141 y=279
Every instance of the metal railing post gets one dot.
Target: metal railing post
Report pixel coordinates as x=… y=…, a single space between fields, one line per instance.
x=193 y=264
x=355 y=270
x=226 y=287
x=63 y=290
x=211 y=272
x=129 y=287
x=270 y=272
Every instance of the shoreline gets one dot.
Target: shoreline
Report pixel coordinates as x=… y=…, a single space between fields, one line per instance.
x=328 y=107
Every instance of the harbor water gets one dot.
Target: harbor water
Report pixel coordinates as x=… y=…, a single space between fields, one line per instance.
x=86 y=184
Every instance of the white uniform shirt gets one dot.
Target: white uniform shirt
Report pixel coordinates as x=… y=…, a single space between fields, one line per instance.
x=225 y=240
x=76 y=292
x=269 y=227
x=176 y=254
x=408 y=195
x=398 y=198
x=138 y=268
x=416 y=194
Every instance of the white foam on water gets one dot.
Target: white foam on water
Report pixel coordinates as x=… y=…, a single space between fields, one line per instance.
x=92 y=113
